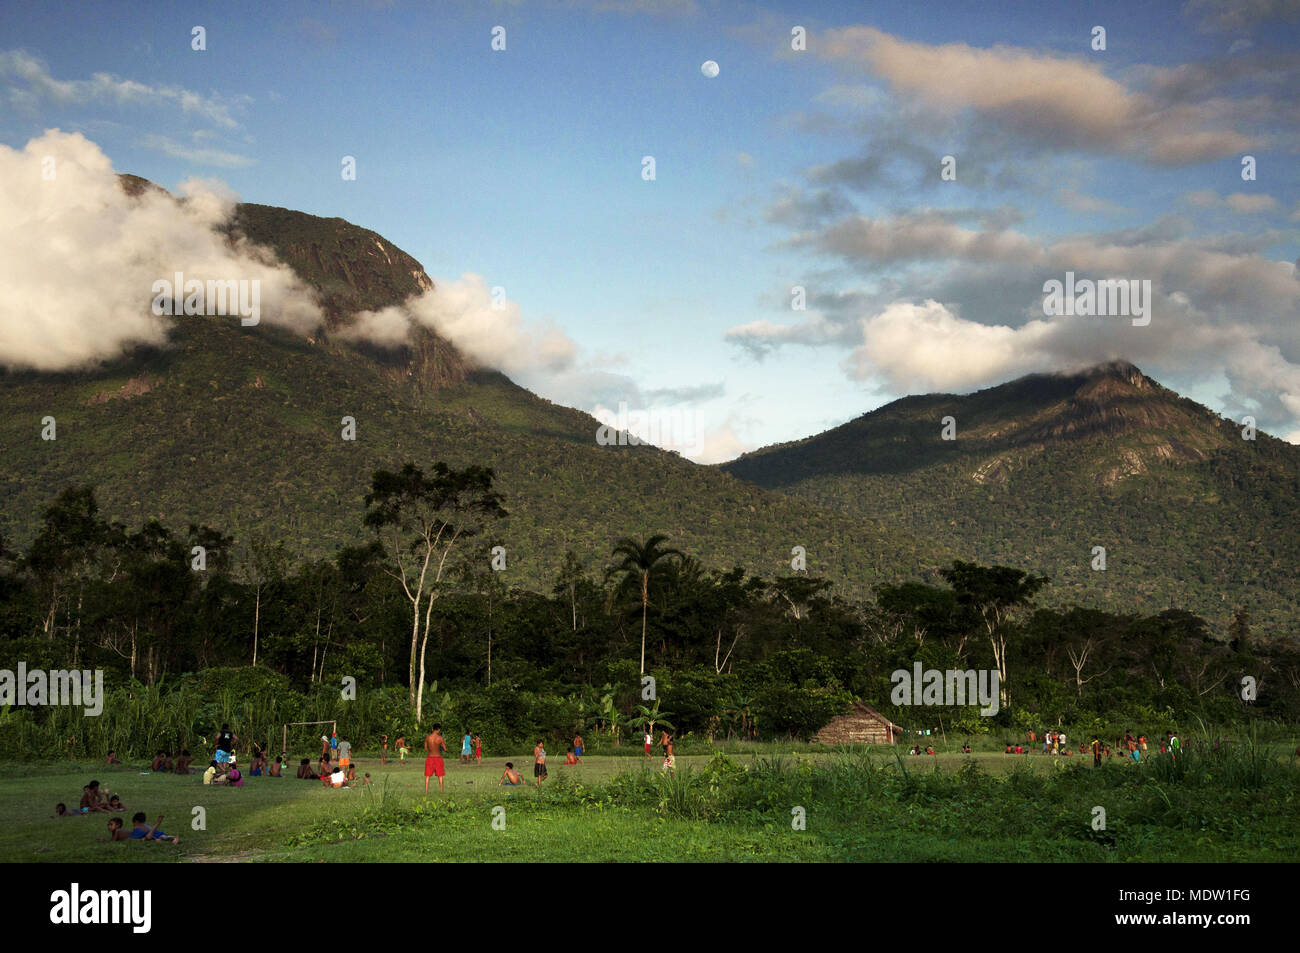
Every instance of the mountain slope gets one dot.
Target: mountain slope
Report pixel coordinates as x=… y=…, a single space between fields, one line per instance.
x=241 y=428
x=1046 y=467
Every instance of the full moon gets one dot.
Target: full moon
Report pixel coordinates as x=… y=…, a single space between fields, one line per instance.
x=709 y=69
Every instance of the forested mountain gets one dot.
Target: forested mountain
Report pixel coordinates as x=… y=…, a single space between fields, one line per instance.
x=241 y=429
x=1045 y=468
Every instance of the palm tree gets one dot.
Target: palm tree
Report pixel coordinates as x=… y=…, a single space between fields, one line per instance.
x=649 y=717
x=638 y=563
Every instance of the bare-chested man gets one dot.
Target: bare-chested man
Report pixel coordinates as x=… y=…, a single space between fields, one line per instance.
x=434 y=746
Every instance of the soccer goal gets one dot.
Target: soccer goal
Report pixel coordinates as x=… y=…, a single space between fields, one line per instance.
x=284 y=746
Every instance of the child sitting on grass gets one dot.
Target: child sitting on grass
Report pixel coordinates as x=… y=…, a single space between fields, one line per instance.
x=305 y=773
x=115 y=804
x=184 y=761
x=90 y=800
x=510 y=777
x=276 y=769
x=352 y=772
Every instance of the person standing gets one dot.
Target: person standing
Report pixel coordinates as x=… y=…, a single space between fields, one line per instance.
x=383 y=751
x=466 y=748
x=226 y=741
x=539 y=762
x=434 y=746
x=1096 y=752
x=478 y=749
x=402 y=750
x=649 y=738
x=577 y=746
x=345 y=754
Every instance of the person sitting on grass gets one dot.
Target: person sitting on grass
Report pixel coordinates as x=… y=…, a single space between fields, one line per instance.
x=259 y=762
x=1009 y=749
x=115 y=804
x=142 y=831
x=184 y=761
x=929 y=749
x=1020 y=749
x=510 y=777
x=210 y=774
x=112 y=758
x=115 y=831
x=324 y=767
x=90 y=798
x=352 y=772
x=233 y=777
x=965 y=747
x=366 y=782
x=61 y=810
x=159 y=760
x=305 y=773
x=277 y=770
x=570 y=758
x=338 y=778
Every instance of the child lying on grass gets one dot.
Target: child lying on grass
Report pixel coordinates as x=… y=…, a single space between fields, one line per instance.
x=142 y=831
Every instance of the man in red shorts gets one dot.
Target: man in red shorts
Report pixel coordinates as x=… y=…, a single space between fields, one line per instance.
x=434 y=746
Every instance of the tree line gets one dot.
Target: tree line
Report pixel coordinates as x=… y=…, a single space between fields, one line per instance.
x=428 y=602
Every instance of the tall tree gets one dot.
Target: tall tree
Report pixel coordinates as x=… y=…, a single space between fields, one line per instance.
x=421 y=518
x=638 y=563
x=995 y=592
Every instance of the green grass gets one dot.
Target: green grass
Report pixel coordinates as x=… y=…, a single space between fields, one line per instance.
x=866 y=805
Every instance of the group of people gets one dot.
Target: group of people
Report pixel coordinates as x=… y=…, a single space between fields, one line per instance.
x=1130 y=745
x=95 y=800
x=471 y=748
x=666 y=744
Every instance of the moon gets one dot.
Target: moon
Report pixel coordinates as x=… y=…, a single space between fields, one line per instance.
x=710 y=69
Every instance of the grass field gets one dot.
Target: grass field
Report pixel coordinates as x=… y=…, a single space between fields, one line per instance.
x=865 y=805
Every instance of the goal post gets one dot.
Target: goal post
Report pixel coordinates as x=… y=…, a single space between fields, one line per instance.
x=284 y=745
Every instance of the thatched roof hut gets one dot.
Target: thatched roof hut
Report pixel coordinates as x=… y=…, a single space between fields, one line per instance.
x=861 y=725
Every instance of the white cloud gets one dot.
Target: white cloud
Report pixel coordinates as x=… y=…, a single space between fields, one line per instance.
x=105 y=88
x=490 y=331
x=78 y=257
x=212 y=157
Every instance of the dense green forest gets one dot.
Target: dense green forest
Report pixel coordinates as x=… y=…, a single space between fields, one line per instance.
x=255 y=633
x=1043 y=469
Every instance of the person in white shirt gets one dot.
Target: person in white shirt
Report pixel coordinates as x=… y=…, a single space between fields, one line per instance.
x=338 y=778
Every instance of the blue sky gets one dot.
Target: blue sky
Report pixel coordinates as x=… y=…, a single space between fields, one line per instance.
x=817 y=168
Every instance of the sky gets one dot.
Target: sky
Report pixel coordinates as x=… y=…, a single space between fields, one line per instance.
x=1165 y=154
